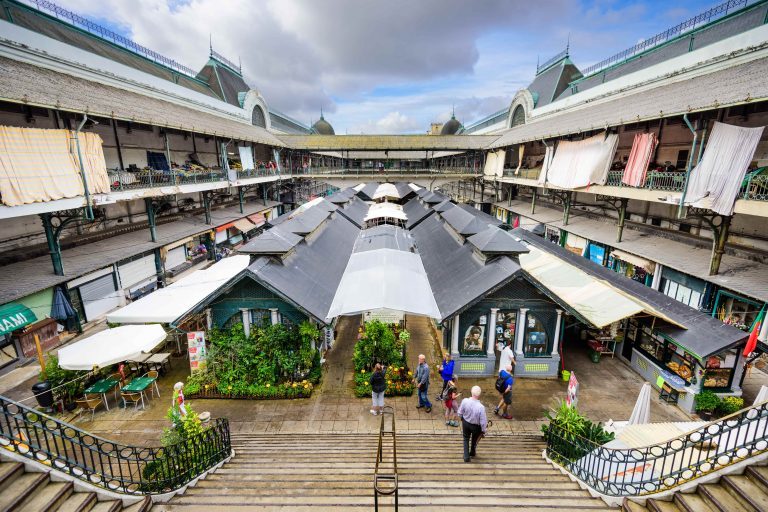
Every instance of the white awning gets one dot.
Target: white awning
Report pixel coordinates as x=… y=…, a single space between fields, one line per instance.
x=637 y=261
x=169 y=304
x=594 y=299
x=386 y=190
x=384 y=278
x=358 y=188
x=385 y=210
x=414 y=187
x=112 y=346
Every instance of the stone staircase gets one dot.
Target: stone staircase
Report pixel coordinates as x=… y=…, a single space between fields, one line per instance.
x=747 y=492
x=26 y=491
x=318 y=472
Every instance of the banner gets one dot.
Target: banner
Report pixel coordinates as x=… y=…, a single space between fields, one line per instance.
x=197 y=351
x=572 y=397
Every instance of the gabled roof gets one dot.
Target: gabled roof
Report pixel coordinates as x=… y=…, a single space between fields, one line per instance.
x=273 y=241
x=355 y=210
x=548 y=84
x=368 y=190
x=306 y=222
x=496 y=241
x=416 y=212
x=488 y=219
x=463 y=222
x=341 y=196
x=434 y=198
x=443 y=206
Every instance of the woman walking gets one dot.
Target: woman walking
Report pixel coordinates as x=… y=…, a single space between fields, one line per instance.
x=451 y=404
x=378 y=387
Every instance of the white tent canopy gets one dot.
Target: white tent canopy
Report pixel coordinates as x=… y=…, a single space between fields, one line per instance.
x=112 y=346
x=385 y=210
x=386 y=190
x=384 y=278
x=169 y=304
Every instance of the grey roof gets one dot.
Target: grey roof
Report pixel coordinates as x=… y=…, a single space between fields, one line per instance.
x=496 y=241
x=730 y=86
x=481 y=215
x=423 y=191
x=368 y=190
x=33 y=85
x=273 y=241
x=704 y=335
x=552 y=81
x=341 y=196
x=463 y=222
x=445 y=205
x=226 y=82
x=416 y=212
x=434 y=198
x=309 y=276
x=384 y=236
x=457 y=277
x=404 y=190
x=355 y=210
x=307 y=221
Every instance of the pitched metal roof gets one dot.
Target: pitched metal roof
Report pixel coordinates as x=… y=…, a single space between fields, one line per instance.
x=273 y=241
x=703 y=335
x=734 y=85
x=489 y=219
x=416 y=212
x=433 y=198
x=445 y=205
x=33 y=85
x=355 y=210
x=306 y=222
x=387 y=142
x=496 y=241
x=463 y=222
x=341 y=196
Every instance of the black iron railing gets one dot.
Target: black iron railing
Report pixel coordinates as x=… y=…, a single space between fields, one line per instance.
x=662 y=466
x=113 y=466
x=385 y=478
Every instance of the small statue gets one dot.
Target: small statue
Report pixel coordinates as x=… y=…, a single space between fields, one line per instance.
x=178 y=399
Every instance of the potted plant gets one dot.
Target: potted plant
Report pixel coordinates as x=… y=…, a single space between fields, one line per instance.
x=705 y=403
x=729 y=405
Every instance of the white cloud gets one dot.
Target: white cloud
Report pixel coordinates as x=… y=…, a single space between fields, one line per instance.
x=393 y=122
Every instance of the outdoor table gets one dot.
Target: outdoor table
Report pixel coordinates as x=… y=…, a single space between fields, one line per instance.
x=101 y=387
x=138 y=385
x=160 y=359
x=140 y=361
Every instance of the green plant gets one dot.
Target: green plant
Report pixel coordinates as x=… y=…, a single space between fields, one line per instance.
x=706 y=401
x=570 y=435
x=68 y=382
x=378 y=344
x=729 y=405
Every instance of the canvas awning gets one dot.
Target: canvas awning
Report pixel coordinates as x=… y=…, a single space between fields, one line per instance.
x=385 y=210
x=592 y=298
x=384 y=278
x=258 y=219
x=386 y=190
x=169 y=304
x=112 y=346
x=637 y=261
x=15 y=316
x=244 y=225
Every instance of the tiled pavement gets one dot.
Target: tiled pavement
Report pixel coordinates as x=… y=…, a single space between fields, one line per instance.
x=23 y=278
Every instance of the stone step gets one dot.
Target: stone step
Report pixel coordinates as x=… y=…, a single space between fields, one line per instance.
x=655 y=505
x=750 y=495
x=552 y=483
x=79 y=502
x=718 y=498
x=21 y=489
x=191 y=507
x=211 y=494
x=108 y=506
x=759 y=475
x=275 y=464
x=692 y=502
x=49 y=497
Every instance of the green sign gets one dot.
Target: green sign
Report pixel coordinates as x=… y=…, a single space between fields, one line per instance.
x=15 y=316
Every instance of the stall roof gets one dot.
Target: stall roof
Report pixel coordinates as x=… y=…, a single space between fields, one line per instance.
x=488 y=219
x=307 y=221
x=341 y=196
x=111 y=346
x=355 y=210
x=434 y=198
x=700 y=334
x=386 y=190
x=443 y=206
x=416 y=212
x=463 y=222
x=273 y=241
x=496 y=241
x=171 y=303
x=385 y=211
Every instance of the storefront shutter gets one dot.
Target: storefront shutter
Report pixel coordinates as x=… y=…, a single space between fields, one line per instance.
x=99 y=296
x=175 y=257
x=136 y=271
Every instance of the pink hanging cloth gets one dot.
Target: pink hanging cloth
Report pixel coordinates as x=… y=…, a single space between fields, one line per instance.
x=639 y=159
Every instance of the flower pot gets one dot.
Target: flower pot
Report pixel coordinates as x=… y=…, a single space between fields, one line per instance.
x=566 y=375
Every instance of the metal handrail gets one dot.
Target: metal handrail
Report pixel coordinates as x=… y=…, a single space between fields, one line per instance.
x=658 y=467
x=117 y=467
x=392 y=478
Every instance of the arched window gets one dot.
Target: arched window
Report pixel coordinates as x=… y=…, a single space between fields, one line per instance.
x=518 y=116
x=535 y=343
x=258 y=118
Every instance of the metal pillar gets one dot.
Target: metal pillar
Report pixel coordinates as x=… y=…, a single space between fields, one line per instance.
x=718 y=247
x=566 y=208
x=264 y=193
x=241 y=198
x=117 y=145
x=622 y=217
x=159 y=269
x=533 y=201
x=53 y=244
x=150 y=206
x=207 y=206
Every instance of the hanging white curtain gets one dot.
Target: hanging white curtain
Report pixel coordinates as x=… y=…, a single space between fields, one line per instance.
x=716 y=180
x=639 y=159
x=520 y=153
x=246 y=157
x=579 y=164
x=549 y=153
x=501 y=156
x=490 y=164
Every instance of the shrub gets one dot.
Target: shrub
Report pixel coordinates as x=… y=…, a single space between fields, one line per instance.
x=570 y=435
x=378 y=344
x=706 y=401
x=399 y=383
x=729 y=405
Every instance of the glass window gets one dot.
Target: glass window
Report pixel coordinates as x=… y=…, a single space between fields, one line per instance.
x=718 y=371
x=535 y=342
x=472 y=343
x=505 y=326
x=261 y=317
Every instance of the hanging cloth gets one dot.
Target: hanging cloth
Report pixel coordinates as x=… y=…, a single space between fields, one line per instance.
x=520 y=153
x=639 y=159
x=581 y=163
x=501 y=157
x=490 y=164
x=716 y=180
x=549 y=153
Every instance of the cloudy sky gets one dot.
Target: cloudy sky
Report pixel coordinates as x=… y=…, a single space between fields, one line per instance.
x=388 y=66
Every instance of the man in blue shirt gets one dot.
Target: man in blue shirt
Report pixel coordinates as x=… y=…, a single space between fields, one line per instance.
x=506 y=395
x=446 y=371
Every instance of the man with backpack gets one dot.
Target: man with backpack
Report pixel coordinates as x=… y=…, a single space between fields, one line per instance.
x=504 y=387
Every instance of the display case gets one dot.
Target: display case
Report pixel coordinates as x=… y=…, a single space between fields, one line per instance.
x=667 y=355
x=718 y=370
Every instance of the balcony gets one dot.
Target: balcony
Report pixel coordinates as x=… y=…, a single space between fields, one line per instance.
x=671 y=181
x=124 y=180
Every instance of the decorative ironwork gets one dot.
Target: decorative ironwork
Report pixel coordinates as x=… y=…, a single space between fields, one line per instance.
x=113 y=466
x=108 y=35
x=661 y=38
x=662 y=466
x=385 y=482
x=560 y=56
x=231 y=65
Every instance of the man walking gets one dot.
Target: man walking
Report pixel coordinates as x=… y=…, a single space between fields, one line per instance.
x=422 y=384
x=473 y=422
x=507 y=355
x=504 y=386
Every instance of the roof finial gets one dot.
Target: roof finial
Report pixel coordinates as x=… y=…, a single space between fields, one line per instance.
x=568 y=45
x=210 y=43
x=321 y=112
x=453 y=111
x=240 y=64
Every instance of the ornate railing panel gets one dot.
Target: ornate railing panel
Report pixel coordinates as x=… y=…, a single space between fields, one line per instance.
x=113 y=466
x=659 y=467
x=124 y=180
x=672 y=181
x=755 y=188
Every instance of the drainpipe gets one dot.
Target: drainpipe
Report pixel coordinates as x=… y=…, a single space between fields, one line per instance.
x=88 y=207
x=689 y=167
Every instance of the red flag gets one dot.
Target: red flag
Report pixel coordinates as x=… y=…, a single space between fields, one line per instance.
x=752 y=341
x=516 y=224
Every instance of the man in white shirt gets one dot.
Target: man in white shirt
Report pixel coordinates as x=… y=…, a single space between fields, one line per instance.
x=507 y=356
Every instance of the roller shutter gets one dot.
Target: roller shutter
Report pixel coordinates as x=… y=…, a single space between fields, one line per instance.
x=99 y=296
x=175 y=257
x=136 y=271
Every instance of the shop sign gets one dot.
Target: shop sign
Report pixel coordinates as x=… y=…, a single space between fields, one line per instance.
x=328 y=336
x=572 y=397
x=197 y=352
x=15 y=316
x=384 y=315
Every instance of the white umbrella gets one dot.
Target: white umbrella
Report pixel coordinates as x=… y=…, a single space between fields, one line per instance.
x=111 y=346
x=762 y=396
x=641 y=414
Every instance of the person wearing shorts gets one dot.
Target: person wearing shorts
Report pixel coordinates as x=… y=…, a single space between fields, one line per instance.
x=378 y=387
x=506 y=396
x=451 y=404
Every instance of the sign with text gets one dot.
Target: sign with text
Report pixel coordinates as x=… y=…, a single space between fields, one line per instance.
x=197 y=351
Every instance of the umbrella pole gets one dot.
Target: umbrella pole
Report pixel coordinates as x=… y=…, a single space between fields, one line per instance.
x=40 y=358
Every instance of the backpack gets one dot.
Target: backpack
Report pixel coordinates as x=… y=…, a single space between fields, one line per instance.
x=501 y=384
